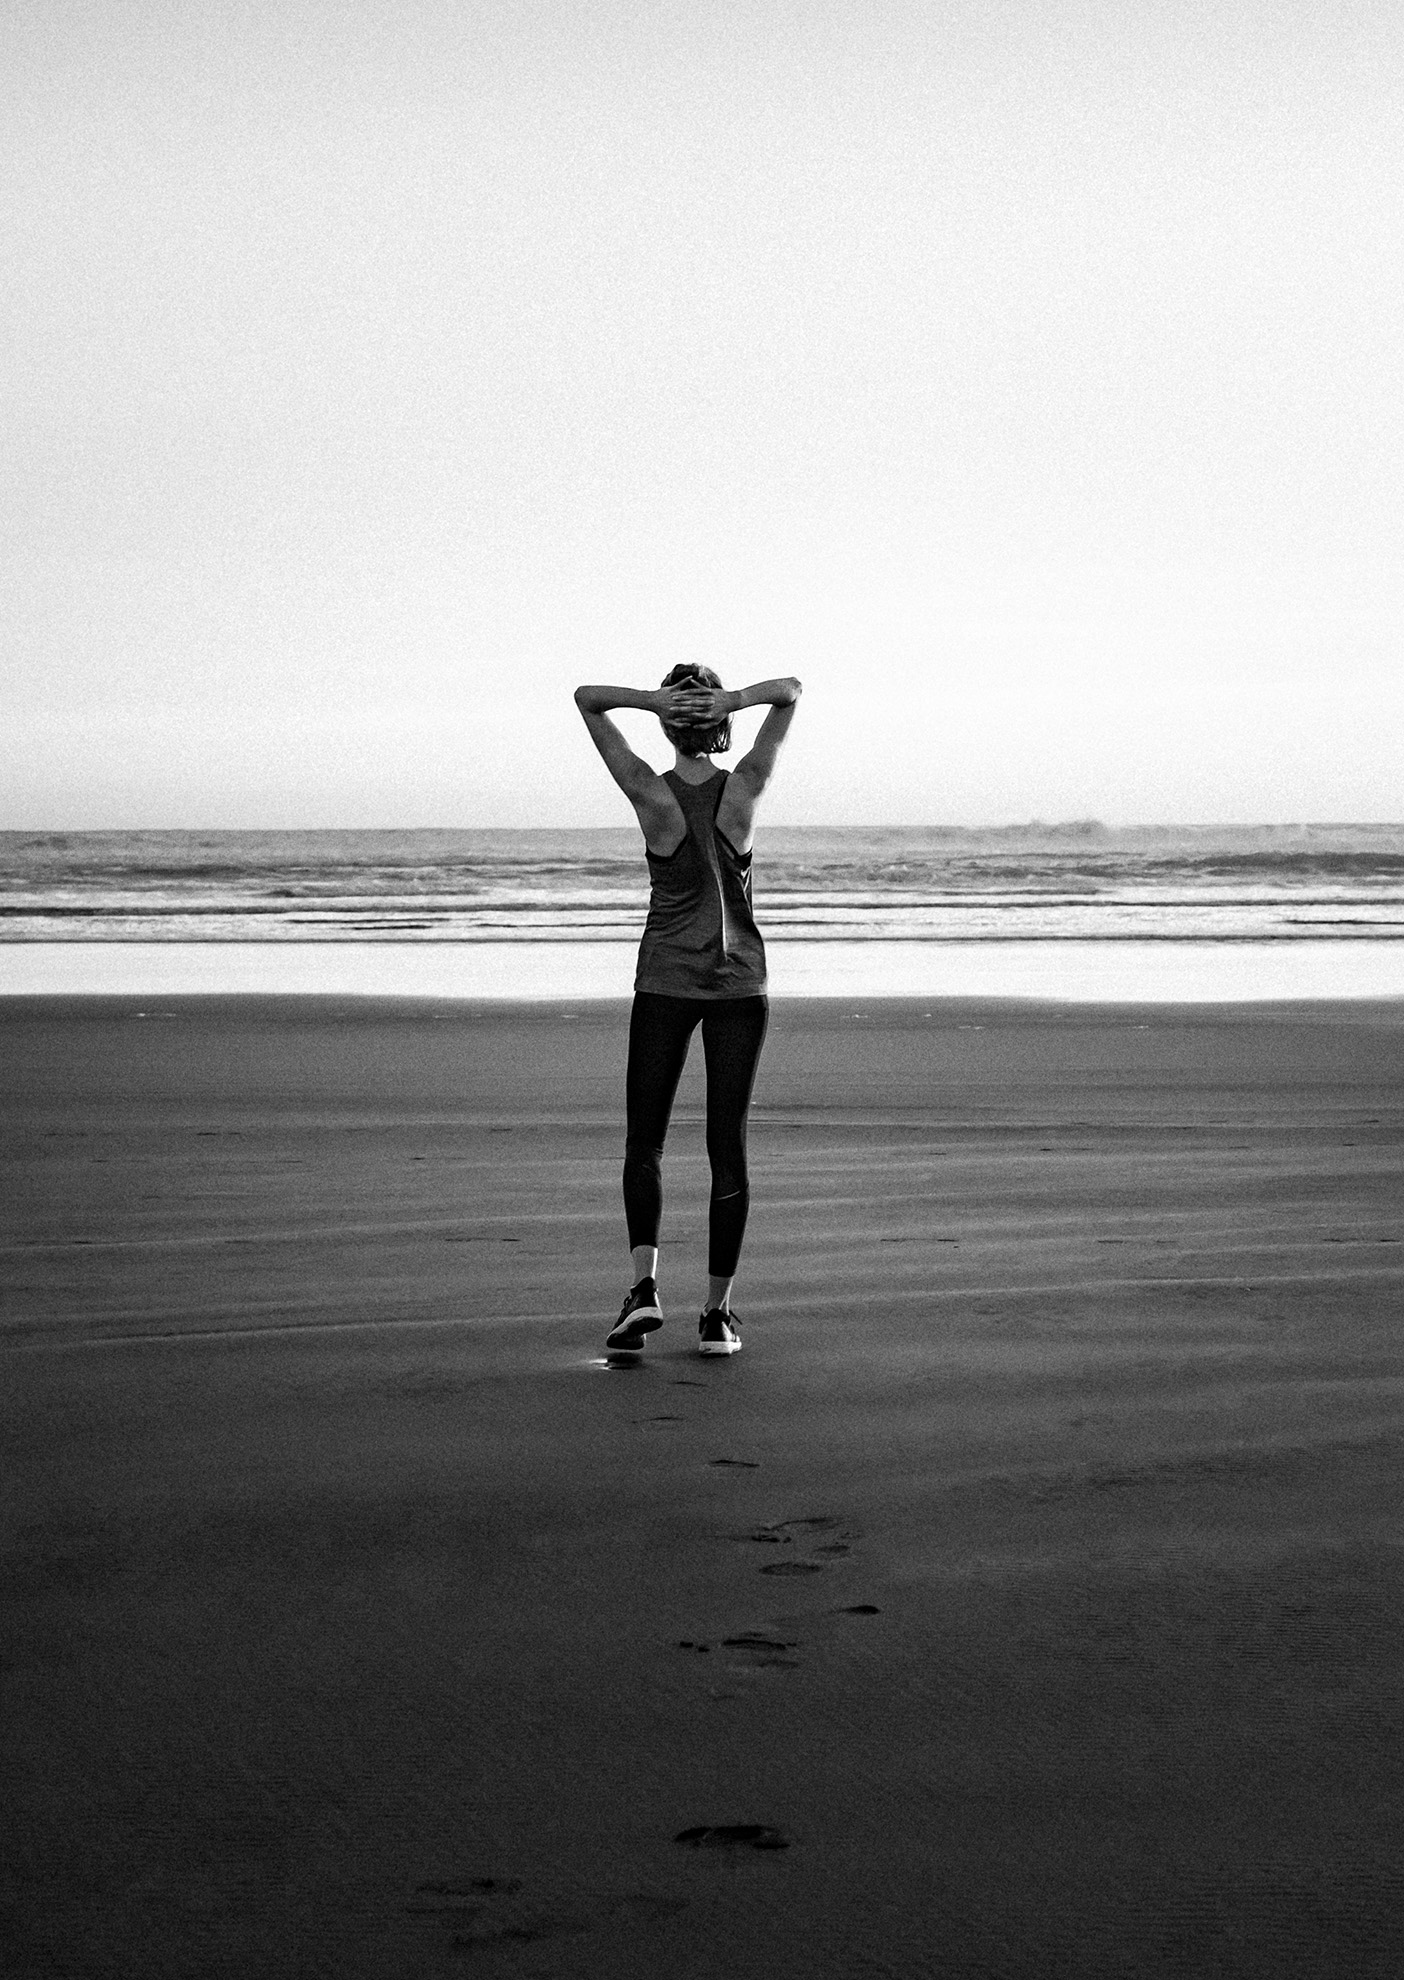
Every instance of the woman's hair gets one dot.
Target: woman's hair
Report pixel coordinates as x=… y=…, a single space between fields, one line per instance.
x=715 y=741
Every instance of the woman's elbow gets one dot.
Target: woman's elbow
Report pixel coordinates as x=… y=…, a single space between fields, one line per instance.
x=796 y=687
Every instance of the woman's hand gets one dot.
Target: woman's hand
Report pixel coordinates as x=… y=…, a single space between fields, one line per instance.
x=691 y=705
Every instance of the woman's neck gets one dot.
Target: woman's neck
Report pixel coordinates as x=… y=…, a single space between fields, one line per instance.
x=693 y=769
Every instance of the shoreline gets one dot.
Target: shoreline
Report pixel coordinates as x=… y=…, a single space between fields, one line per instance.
x=1092 y=972
x=372 y=1005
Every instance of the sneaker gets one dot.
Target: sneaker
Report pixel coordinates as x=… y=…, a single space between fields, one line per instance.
x=716 y=1333
x=639 y=1316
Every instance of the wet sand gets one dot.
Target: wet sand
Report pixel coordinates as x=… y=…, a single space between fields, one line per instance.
x=1025 y=1599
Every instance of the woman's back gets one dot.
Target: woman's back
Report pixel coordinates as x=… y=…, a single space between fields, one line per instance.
x=701 y=938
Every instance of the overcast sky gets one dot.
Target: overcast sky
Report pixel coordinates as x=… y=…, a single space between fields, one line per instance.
x=1025 y=376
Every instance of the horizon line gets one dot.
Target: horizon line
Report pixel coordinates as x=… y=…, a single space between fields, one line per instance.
x=1079 y=825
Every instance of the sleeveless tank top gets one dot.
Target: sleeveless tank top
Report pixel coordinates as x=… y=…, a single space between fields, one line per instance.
x=700 y=939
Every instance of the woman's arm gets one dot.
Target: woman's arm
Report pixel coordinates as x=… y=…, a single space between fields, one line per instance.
x=736 y=816
x=777 y=694
x=629 y=771
x=596 y=700
x=654 y=803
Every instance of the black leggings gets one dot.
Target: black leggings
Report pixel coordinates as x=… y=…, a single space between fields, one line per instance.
x=660 y=1030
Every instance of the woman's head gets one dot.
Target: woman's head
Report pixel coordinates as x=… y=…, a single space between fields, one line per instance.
x=713 y=741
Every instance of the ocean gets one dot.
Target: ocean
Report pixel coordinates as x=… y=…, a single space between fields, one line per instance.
x=914 y=910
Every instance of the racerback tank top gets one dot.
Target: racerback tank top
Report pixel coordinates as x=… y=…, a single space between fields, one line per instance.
x=700 y=939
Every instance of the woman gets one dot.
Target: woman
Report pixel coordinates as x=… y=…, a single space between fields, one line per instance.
x=701 y=961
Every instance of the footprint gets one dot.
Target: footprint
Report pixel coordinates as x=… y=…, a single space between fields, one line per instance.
x=686 y=1643
x=807 y=1529
x=469 y=1905
x=764 y=1652
x=431 y=1900
x=863 y=1609
x=784 y=1530
x=475 y=1887
x=530 y=1927
x=736 y=1464
x=734 y=1835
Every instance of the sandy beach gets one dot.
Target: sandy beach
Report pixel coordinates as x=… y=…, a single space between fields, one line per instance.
x=1023 y=1601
